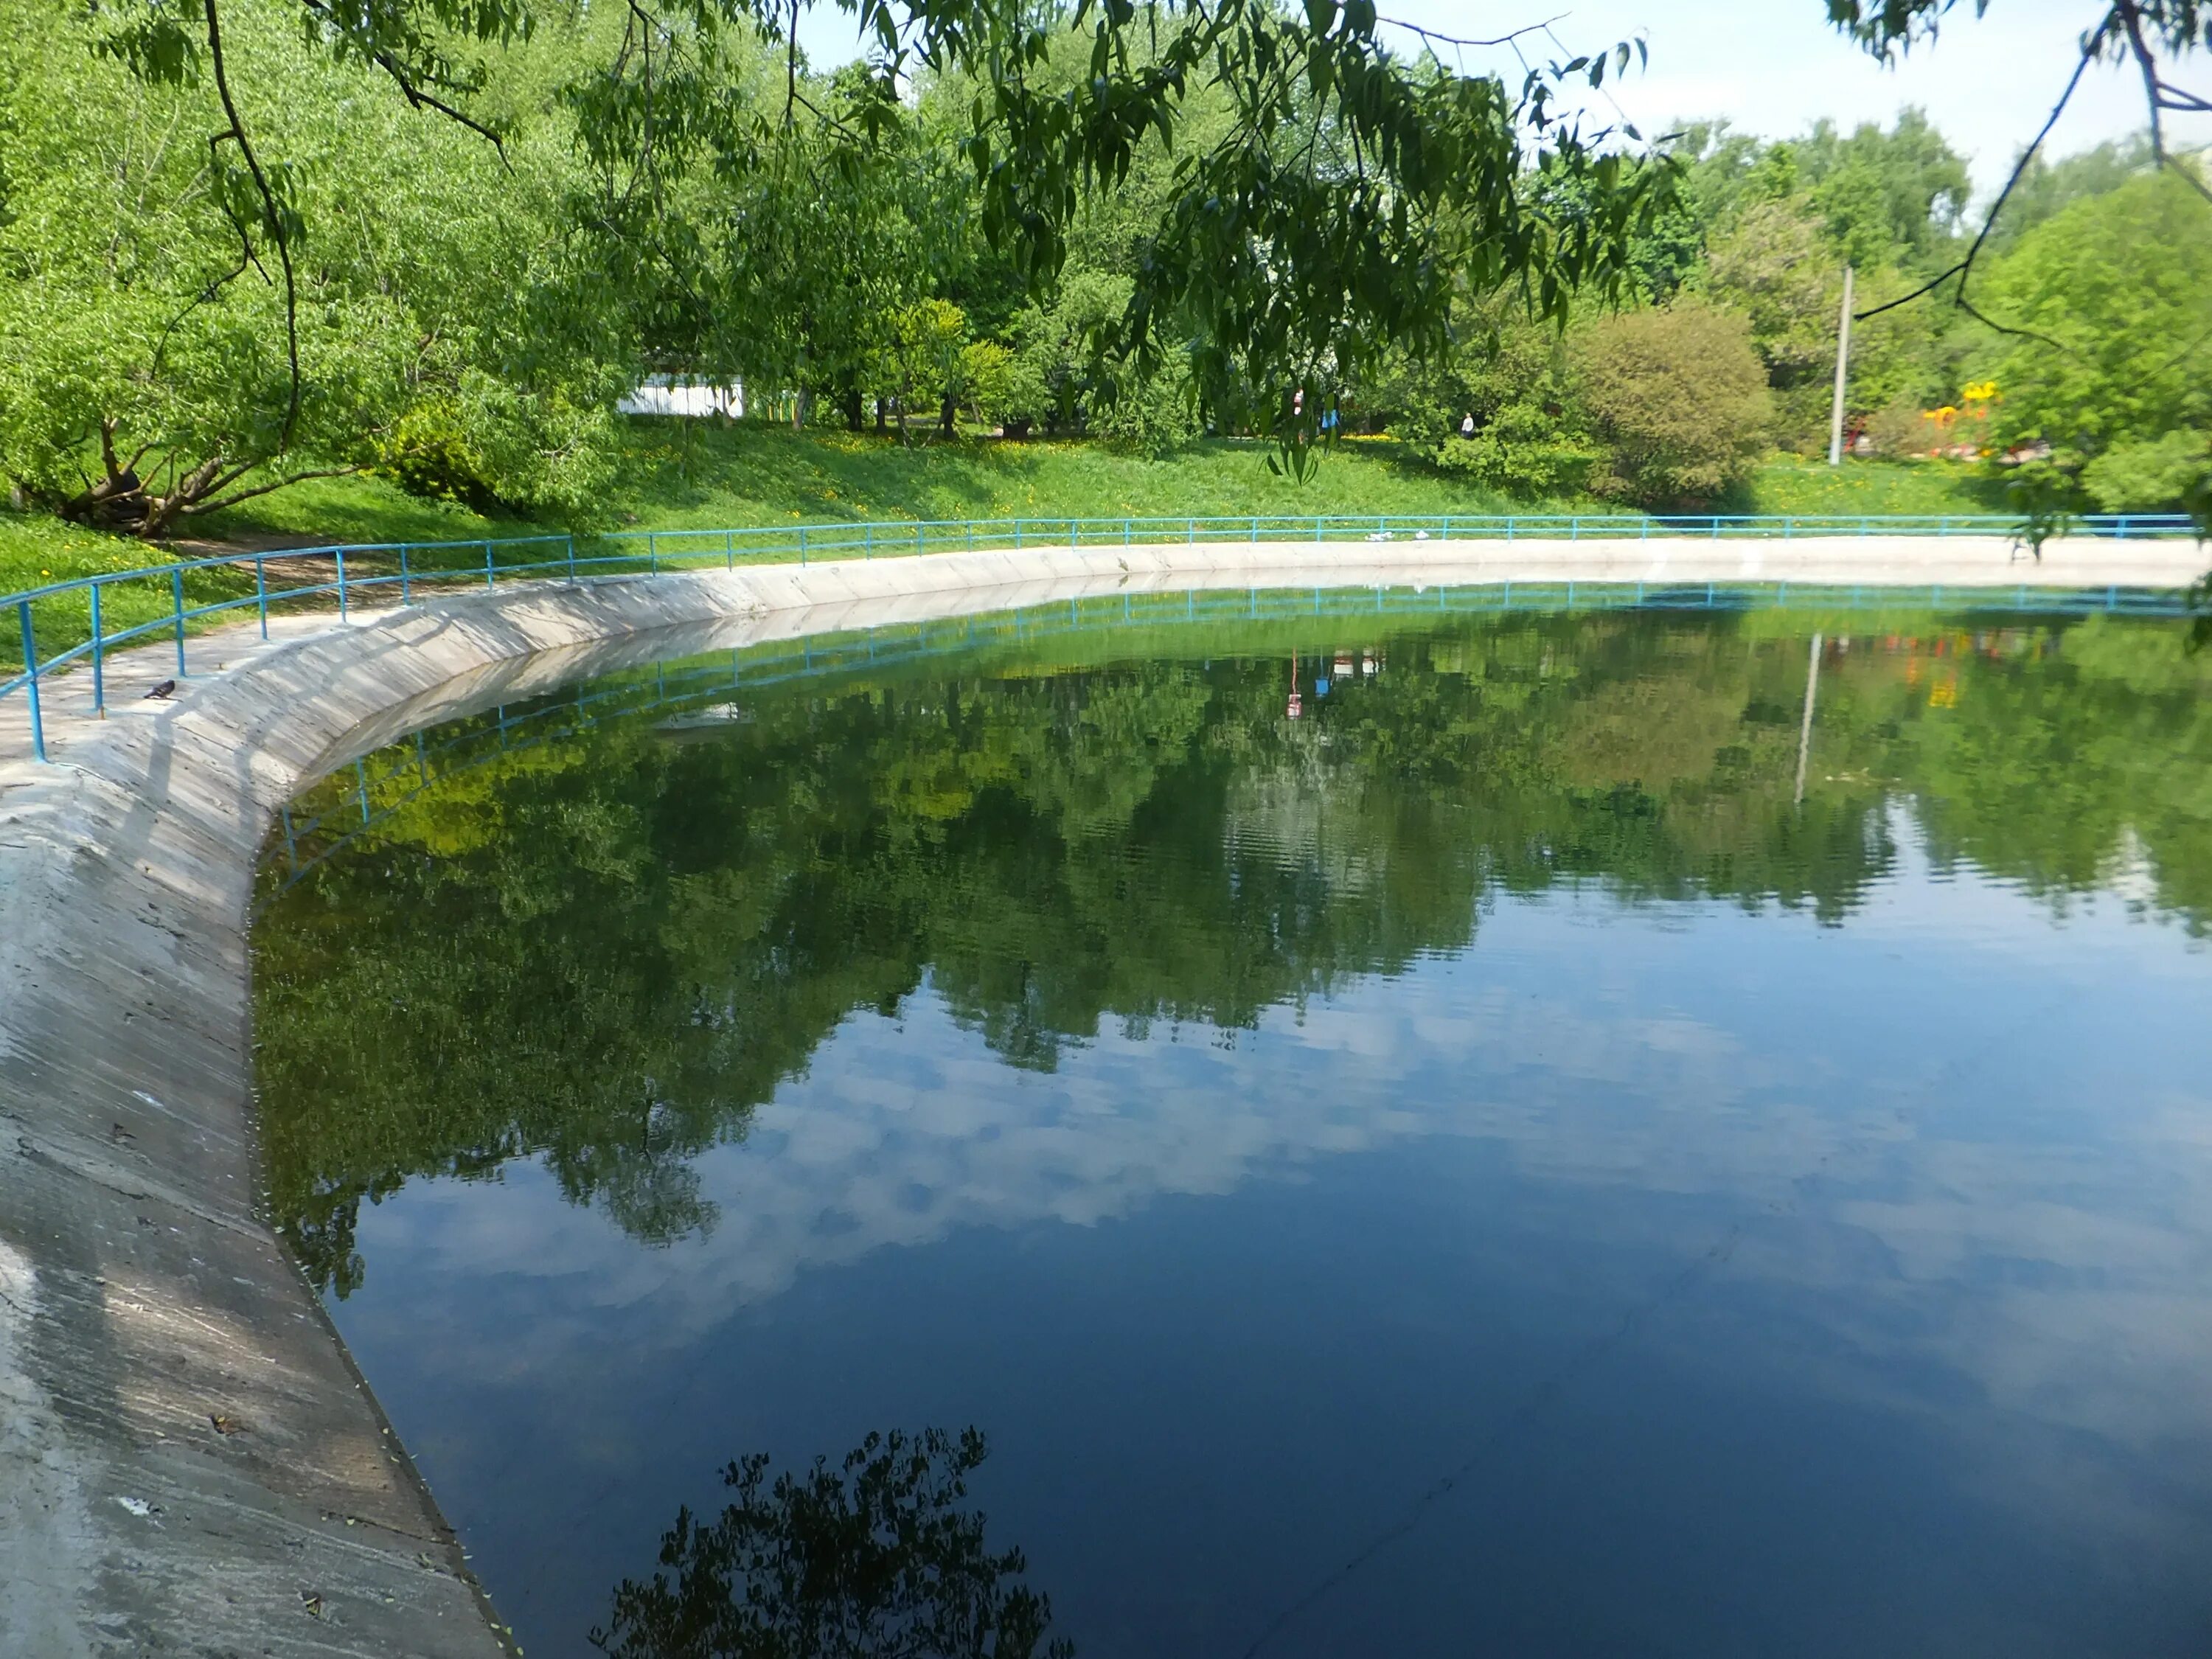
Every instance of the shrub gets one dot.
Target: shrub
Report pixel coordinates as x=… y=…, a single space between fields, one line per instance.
x=429 y=453
x=1901 y=429
x=1676 y=398
x=2150 y=477
x=1525 y=450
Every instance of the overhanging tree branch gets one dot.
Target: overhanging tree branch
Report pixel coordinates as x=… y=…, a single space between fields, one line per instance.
x=272 y=218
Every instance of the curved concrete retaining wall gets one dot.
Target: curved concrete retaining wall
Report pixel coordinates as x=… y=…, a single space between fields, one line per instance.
x=188 y=1461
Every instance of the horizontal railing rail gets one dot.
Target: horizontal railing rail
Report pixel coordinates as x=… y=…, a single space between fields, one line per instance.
x=173 y=600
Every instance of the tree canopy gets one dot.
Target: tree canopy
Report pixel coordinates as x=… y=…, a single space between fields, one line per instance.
x=247 y=242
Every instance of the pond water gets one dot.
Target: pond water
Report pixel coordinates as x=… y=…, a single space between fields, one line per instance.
x=1402 y=1132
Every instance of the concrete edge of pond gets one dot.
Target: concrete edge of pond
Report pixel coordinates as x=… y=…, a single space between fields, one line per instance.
x=189 y=1462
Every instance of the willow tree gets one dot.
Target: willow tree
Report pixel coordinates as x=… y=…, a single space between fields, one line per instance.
x=165 y=353
x=1355 y=187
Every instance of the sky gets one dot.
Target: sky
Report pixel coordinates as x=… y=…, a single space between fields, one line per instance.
x=1773 y=67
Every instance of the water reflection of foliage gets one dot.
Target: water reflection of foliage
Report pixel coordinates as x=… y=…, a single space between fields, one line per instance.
x=875 y=1559
x=606 y=952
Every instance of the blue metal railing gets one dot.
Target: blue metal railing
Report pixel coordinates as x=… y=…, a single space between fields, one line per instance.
x=407 y=570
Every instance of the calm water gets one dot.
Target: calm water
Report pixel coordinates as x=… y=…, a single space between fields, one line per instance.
x=1479 y=1167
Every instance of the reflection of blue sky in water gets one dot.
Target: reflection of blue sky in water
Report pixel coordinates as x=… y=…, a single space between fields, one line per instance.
x=1791 y=1288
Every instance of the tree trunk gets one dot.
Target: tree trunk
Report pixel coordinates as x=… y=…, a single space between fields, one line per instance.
x=854 y=419
x=881 y=413
x=944 y=415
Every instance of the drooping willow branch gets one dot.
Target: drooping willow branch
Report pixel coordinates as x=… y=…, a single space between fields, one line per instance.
x=271 y=214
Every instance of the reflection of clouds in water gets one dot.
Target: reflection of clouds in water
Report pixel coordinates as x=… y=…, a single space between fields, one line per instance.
x=2031 y=1254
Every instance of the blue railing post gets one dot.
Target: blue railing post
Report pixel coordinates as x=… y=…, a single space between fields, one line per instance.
x=1255 y=530
x=261 y=591
x=31 y=672
x=406 y=594
x=729 y=550
x=571 y=541
x=490 y=581
x=342 y=603
x=177 y=591
x=98 y=683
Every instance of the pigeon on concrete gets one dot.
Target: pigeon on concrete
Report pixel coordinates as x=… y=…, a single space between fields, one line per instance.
x=161 y=692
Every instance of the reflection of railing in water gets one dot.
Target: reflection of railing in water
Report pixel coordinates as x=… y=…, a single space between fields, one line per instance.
x=889 y=648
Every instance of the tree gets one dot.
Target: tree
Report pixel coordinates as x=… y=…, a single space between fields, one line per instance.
x=933 y=345
x=874 y=1559
x=1677 y=396
x=2045 y=186
x=146 y=373
x=1497 y=408
x=1334 y=211
x=1894 y=198
x=2112 y=297
x=1778 y=265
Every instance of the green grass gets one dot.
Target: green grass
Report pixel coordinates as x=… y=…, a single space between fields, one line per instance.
x=757 y=475
x=1789 y=485
x=695 y=475
x=360 y=509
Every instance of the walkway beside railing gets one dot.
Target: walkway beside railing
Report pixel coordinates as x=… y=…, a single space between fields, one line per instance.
x=82 y=623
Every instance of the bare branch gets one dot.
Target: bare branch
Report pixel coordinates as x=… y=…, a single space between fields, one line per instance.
x=271 y=215
x=1506 y=39
x=193 y=509
x=1963 y=269
x=418 y=97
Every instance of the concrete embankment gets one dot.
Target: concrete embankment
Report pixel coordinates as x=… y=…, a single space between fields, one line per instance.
x=188 y=1462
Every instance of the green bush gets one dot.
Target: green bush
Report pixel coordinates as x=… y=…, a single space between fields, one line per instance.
x=429 y=454
x=1525 y=451
x=1677 y=399
x=2151 y=476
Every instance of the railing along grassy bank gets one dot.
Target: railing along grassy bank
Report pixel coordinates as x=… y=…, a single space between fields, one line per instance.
x=45 y=630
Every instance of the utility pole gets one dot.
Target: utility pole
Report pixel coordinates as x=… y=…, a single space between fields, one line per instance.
x=1843 y=366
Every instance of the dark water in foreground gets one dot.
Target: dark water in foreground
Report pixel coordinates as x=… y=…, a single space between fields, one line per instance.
x=1481 y=1167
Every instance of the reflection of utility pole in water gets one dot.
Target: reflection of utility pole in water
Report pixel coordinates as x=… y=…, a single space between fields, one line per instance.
x=1805 y=731
x=1291 y=709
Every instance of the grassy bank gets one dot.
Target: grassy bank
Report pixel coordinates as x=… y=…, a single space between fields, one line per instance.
x=679 y=475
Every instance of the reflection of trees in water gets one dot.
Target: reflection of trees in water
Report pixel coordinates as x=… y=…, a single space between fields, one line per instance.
x=877 y=1558
x=605 y=952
